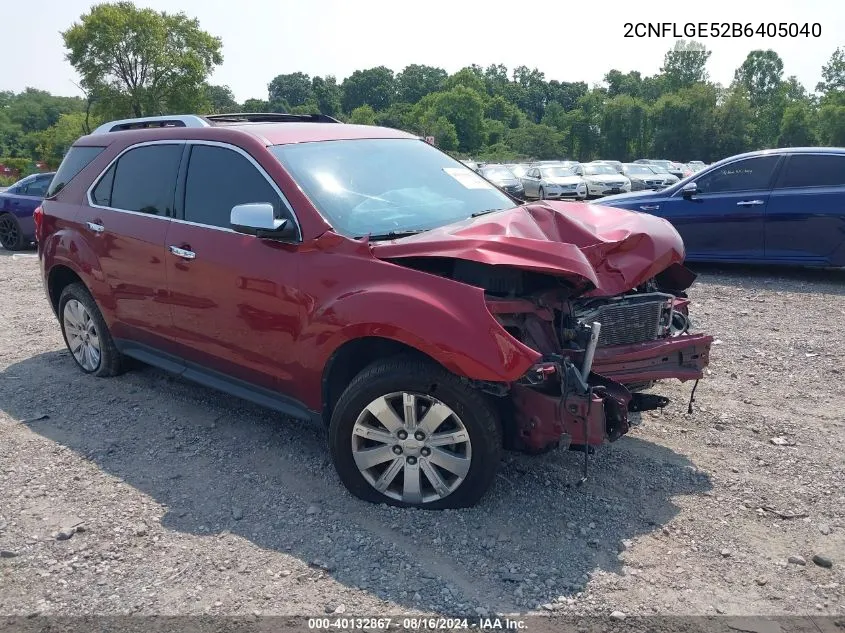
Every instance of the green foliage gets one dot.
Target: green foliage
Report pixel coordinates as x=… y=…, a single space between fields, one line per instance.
x=290 y=91
x=57 y=139
x=221 y=100
x=685 y=65
x=137 y=62
x=375 y=87
x=417 y=80
x=327 y=95
x=833 y=73
x=796 y=127
x=363 y=115
x=256 y=105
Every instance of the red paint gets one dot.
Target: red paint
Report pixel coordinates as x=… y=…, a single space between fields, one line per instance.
x=274 y=314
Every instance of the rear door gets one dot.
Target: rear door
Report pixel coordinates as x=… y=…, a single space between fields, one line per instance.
x=805 y=218
x=28 y=199
x=126 y=223
x=724 y=220
x=235 y=301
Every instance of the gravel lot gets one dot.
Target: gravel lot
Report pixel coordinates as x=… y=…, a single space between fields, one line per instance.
x=146 y=494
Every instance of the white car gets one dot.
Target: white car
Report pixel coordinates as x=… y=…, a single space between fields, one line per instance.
x=552 y=182
x=602 y=179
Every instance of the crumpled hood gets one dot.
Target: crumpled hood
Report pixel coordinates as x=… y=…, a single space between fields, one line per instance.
x=595 y=247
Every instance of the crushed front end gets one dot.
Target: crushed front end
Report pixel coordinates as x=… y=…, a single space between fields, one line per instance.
x=598 y=356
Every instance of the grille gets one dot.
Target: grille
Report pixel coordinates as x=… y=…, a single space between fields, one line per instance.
x=629 y=319
x=654 y=183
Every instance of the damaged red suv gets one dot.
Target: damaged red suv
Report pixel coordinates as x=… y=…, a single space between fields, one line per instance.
x=359 y=276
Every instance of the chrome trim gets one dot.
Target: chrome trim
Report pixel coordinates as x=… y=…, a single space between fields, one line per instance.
x=182 y=252
x=235 y=148
x=188 y=120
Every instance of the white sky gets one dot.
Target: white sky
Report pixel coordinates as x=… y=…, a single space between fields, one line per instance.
x=568 y=41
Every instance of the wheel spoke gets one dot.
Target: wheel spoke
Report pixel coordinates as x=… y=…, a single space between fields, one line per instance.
x=434 y=417
x=434 y=477
x=409 y=403
x=370 y=433
x=385 y=415
x=448 y=439
x=369 y=457
x=455 y=464
x=389 y=474
x=75 y=344
x=412 y=488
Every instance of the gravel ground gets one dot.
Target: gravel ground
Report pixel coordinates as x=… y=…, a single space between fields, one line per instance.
x=147 y=494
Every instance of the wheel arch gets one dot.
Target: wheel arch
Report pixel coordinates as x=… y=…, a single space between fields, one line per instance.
x=350 y=358
x=59 y=278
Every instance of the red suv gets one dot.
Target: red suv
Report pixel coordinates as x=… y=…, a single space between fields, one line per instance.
x=359 y=276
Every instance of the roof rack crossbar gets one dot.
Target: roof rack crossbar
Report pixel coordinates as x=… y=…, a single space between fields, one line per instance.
x=175 y=120
x=269 y=117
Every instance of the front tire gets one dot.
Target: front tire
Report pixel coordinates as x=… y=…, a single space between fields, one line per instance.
x=542 y=194
x=11 y=235
x=408 y=433
x=86 y=334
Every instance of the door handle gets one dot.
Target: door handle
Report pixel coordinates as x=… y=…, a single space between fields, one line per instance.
x=97 y=228
x=749 y=203
x=649 y=207
x=183 y=253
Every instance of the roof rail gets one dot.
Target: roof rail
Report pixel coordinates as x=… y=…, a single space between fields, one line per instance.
x=175 y=120
x=269 y=117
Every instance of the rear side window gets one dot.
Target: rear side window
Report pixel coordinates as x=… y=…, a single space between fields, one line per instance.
x=219 y=179
x=144 y=180
x=743 y=175
x=76 y=159
x=814 y=170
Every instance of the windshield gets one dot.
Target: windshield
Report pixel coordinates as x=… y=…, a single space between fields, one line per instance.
x=497 y=173
x=556 y=172
x=662 y=163
x=638 y=169
x=657 y=169
x=594 y=170
x=378 y=186
x=518 y=170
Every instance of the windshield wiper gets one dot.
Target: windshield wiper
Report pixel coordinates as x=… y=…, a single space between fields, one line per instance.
x=485 y=212
x=390 y=235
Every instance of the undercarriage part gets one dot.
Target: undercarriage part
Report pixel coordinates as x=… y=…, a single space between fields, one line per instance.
x=692 y=397
x=587 y=365
x=647 y=402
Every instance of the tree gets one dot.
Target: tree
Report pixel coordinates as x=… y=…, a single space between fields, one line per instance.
x=734 y=123
x=623 y=84
x=221 y=99
x=418 y=80
x=685 y=65
x=327 y=95
x=55 y=141
x=833 y=73
x=256 y=105
x=138 y=62
x=832 y=125
x=289 y=91
x=363 y=115
x=535 y=140
x=623 y=127
x=796 y=127
x=375 y=87
x=464 y=108
x=760 y=74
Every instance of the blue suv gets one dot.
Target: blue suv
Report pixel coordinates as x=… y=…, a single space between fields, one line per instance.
x=779 y=206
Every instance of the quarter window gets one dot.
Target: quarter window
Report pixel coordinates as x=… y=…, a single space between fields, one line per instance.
x=814 y=170
x=144 y=180
x=743 y=175
x=219 y=179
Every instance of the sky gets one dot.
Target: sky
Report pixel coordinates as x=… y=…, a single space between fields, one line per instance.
x=568 y=41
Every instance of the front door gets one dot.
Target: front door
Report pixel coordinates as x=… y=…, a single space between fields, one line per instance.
x=234 y=297
x=724 y=219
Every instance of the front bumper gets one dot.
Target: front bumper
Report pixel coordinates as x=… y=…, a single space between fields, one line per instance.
x=544 y=416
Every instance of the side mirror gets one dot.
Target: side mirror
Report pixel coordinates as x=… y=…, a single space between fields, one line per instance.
x=689 y=190
x=258 y=218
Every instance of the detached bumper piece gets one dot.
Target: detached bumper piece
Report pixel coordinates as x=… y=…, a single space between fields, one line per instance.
x=556 y=406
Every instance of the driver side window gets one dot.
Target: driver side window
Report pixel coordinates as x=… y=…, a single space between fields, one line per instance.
x=743 y=175
x=219 y=179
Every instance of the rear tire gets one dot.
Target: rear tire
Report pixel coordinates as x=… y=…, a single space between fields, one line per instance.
x=414 y=470
x=11 y=236
x=86 y=334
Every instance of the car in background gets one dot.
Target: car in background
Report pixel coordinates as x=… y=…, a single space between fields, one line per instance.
x=779 y=206
x=602 y=180
x=643 y=177
x=663 y=173
x=616 y=164
x=518 y=169
x=696 y=165
x=471 y=164
x=17 y=204
x=553 y=182
x=360 y=278
x=503 y=178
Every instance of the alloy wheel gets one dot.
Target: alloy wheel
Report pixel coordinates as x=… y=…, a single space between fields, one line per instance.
x=82 y=338
x=9 y=232
x=411 y=447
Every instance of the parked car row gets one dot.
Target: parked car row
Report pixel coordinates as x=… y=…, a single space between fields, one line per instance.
x=17 y=204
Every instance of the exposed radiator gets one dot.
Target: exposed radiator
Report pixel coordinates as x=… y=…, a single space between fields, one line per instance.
x=628 y=319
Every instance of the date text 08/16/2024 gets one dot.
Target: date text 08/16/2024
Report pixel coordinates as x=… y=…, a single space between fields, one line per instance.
x=701 y=30
x=416 y=624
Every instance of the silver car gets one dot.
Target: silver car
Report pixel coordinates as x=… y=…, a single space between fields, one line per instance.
x=602 y=180
x=552 y=182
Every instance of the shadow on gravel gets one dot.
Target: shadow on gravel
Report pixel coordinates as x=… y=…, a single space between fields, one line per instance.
x=218 y=464
x=789 y=278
